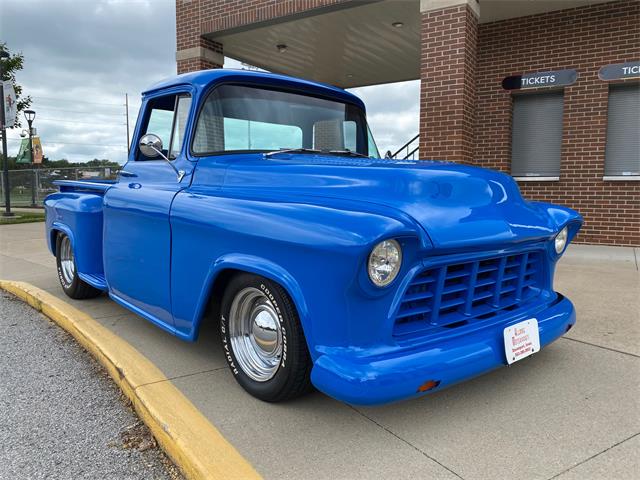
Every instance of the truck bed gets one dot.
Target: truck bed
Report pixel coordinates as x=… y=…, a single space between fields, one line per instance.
x=76 y=210
x=94 y=186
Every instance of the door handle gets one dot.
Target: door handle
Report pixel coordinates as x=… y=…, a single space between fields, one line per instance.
x=124 y=173
x=135 y=186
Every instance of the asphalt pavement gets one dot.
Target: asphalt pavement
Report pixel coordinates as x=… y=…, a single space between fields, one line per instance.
x=61 y=417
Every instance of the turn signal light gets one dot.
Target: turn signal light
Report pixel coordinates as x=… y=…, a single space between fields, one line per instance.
x=428 y=385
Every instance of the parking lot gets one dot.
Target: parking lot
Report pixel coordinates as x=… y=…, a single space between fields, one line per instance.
x=571 y=411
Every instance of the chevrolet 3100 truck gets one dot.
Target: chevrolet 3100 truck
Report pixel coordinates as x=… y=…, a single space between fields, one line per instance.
x=260 y=202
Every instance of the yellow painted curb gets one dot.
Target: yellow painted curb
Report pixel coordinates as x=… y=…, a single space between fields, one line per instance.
x=188 y=438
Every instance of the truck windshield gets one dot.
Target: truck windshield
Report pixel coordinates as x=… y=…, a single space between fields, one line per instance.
x=240 y=118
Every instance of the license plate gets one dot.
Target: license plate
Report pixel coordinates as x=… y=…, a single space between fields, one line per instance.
x=521 y=340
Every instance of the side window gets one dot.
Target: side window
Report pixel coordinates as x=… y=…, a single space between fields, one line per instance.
x=372 y=148
x=160 y=122
x=350 y=135
x=167 y=119
x=536 y=134
x=183 y=104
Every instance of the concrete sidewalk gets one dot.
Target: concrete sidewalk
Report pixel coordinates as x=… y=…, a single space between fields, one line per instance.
x=571 y=411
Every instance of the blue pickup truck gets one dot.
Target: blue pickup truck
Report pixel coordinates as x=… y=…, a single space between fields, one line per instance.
x=260 y=202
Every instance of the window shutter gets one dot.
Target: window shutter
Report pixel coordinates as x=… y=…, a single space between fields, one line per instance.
x=622 y=155
x=536 y=134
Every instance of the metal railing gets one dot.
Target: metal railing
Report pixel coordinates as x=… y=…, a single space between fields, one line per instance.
x=409 y=149
x=29 y=187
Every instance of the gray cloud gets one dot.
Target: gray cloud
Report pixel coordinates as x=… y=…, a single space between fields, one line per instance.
x=82 y=56
x=393 y=112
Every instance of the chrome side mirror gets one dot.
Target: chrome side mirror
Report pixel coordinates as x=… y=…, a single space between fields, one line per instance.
x=151 y=145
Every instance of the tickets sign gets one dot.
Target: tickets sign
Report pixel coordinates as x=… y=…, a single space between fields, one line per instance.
x=555 y=78
x=620 y=71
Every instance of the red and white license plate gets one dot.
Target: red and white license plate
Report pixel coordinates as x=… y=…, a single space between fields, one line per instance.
x=521 y=340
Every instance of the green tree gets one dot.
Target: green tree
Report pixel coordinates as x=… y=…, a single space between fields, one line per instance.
x=10 y=66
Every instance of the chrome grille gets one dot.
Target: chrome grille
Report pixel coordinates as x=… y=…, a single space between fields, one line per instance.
x=456 y=294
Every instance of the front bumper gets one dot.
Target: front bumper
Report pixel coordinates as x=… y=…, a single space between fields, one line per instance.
x=379 y=379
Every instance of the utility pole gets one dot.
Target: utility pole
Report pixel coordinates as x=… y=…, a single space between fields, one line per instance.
x=126 y=104
x=3 y=131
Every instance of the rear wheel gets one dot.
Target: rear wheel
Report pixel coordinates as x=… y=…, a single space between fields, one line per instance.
x=263 y=339
x=72 y=285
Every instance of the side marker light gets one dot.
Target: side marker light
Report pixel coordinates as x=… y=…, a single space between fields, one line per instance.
x=428 y=385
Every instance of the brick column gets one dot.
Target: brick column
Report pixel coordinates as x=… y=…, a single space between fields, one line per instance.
x=193 y=51
x=448 y=74
x=205 y=55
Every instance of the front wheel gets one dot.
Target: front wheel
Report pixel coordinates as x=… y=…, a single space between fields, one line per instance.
x=71 y=283
x=263 y=340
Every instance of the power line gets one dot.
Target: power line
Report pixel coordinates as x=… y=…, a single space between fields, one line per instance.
x=74 y=100
x=75 y=143
x=78 y=111
x=80 y=121
x=92 y=144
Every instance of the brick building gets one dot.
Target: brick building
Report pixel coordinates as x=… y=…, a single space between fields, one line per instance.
x=548 y=91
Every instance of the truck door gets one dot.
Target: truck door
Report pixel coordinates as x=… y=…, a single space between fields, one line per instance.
x=137 y=232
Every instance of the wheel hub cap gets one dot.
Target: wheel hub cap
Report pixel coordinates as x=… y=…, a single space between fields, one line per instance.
x=255 y=333
x=67 y=264
x=264 y=329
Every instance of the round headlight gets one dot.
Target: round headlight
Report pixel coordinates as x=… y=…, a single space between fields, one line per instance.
x=384 y=262
x=561 y=240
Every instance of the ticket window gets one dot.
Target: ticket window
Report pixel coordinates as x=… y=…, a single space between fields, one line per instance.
x=622 y=153
x=536 y=135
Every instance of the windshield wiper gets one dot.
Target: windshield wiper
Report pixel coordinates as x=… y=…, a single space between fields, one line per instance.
x=349 y=152
x=292 y=150
x=311 y=150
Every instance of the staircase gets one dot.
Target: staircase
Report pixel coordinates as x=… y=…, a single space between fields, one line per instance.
x=407 y=151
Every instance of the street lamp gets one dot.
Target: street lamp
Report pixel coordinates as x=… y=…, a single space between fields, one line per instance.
x=30 y=116
x=3 y=131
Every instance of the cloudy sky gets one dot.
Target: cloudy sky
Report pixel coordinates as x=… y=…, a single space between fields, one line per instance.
x=82 y=56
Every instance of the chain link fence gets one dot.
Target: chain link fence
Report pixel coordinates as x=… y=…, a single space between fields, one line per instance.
x=30 y=187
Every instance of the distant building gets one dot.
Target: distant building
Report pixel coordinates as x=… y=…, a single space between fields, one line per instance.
x=548 y=91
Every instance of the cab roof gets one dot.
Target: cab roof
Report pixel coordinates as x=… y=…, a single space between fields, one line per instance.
x=203 y=79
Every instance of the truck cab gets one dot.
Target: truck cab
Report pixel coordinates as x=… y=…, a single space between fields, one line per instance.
x=260 y=202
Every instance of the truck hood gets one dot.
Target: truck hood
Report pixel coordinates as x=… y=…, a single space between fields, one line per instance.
x=458 y=206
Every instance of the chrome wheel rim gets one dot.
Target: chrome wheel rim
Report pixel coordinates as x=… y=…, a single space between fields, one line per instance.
x=67 y=264
x=255 y=334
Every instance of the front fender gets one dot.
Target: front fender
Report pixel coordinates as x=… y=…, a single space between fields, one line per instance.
x=316 y=252
x=561 y=217
x=251 y=264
